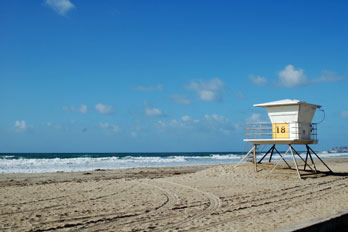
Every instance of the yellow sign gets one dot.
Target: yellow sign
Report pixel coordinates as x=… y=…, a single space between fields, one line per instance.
x=280 y=130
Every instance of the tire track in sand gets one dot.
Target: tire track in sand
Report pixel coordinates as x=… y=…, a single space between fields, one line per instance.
x=285 y=199
x=139 y=218
x=59 y=203
x=214 y=203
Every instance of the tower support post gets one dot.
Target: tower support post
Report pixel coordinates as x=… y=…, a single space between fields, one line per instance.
x=247 y=154
x=254 y=159
x=305 y=161
x=292 y=153
x=304 y=168
x=270 y=150
x=308 y=147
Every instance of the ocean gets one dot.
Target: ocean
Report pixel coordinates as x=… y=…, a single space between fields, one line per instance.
x=74 y=162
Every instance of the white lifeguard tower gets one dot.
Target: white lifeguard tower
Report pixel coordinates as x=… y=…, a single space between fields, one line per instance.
x=291 y=123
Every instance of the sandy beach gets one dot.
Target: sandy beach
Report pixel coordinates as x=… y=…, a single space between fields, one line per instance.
x=195 y=198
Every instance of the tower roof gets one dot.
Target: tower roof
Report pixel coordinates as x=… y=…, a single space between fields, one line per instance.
x=284 y=102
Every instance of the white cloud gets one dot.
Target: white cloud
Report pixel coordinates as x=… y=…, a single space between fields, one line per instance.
x=185 y=118
x=52 y=125
x=207 y=95
x=104 y=109
x=291 y=77
x=185 y=123
x=258 y=80
x=21 y=125
x=148 y=88
x=255 y=117
x=161 y=123
x=208 y=90
x=81 y=109
x=210 y=123
x=48 y=124
x=344 y=114
x=218 y=123
x=62 y=7
x=215 y=117
x=151 y=111
x=180 y=99
x=328 y=76
x=110 y=127
x=173 y=123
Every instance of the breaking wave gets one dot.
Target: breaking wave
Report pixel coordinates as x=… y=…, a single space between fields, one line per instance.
x=73 y=162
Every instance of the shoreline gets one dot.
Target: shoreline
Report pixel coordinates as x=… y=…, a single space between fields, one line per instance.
x=185 y=198
x=38 y=163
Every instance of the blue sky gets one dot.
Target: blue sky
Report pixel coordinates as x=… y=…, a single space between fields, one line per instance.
x=152 y=76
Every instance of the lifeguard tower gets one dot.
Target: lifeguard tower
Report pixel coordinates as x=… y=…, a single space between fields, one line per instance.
x=291 y=123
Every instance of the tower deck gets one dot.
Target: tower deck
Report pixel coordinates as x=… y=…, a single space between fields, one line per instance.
x=280 y=141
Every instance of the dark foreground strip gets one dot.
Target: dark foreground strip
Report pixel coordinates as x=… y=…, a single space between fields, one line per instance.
x=336 y=223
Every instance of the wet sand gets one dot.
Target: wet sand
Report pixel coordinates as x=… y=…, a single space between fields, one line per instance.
x=199 y=198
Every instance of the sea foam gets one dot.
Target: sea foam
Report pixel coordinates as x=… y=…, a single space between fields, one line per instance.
x=32 y=165
x=24 y=163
